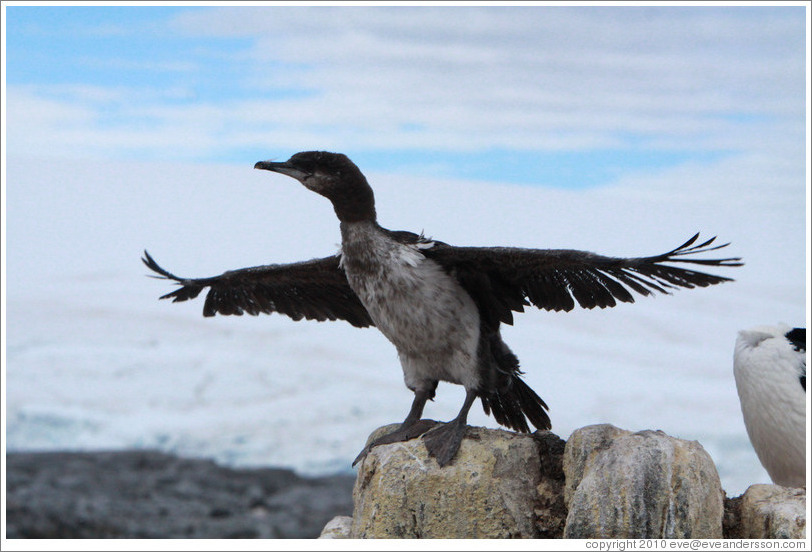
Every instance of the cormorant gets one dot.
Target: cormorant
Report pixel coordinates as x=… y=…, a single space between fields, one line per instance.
x=769 y=364
x=440 y=305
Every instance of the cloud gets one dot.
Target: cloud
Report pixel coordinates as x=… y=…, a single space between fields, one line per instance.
x=76 y=127
x=671 y=60
x=448 y=79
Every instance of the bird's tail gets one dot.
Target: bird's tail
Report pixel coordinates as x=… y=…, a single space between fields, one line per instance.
x=514 y=403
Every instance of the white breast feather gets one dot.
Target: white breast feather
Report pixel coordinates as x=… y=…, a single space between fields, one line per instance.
x=773 y=403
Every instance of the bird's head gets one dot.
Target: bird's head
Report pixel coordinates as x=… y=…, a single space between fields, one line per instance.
x=332 y=175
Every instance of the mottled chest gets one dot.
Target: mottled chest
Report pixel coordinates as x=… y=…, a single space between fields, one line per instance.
x=413 y=302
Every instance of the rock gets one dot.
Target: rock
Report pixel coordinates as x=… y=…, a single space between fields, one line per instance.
x=337 y=528
x=551 y=511
x=580 y=451
x=621 y=484
x=731 y=523
x=147 y=494
x=772 y=512
x=490 y=490
x=616 y=483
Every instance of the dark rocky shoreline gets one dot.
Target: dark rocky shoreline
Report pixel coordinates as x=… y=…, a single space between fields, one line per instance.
x=149 y=494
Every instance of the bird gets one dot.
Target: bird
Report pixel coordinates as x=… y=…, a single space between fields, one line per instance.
x=440 y=305
x=769 y=365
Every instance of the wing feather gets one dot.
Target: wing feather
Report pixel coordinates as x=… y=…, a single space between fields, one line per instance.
x=558 y=279
x=315 y=290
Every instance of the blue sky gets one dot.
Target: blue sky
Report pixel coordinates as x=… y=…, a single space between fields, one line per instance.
x=566 y=97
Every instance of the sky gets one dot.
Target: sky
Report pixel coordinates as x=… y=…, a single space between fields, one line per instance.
x=557 y=96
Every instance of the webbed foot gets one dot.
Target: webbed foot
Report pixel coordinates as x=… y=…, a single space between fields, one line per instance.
x=444 y=441
x=403 y=433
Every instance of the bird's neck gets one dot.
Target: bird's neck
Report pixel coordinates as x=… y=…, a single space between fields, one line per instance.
x=356 y=206
x=358 y=233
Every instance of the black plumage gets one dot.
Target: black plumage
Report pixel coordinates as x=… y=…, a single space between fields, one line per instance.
x=797 y=337
x=502 y=280
x=315 y=290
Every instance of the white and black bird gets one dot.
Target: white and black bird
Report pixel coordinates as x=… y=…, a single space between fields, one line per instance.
x=769 y=364
x=440 y=305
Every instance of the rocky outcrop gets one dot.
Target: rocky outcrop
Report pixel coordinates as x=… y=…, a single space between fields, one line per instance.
x=148 y=494
x=504 y=484
x=606 y=482
x=640 y=485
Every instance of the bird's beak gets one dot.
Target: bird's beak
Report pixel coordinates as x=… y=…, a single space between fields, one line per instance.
x=282 y=168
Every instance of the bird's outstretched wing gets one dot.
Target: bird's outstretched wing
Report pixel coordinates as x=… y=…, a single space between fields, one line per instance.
x=316 y=290
x=505 y=279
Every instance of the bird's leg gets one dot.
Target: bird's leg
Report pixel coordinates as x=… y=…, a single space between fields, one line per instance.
x=411 y=427
x=444 y=441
